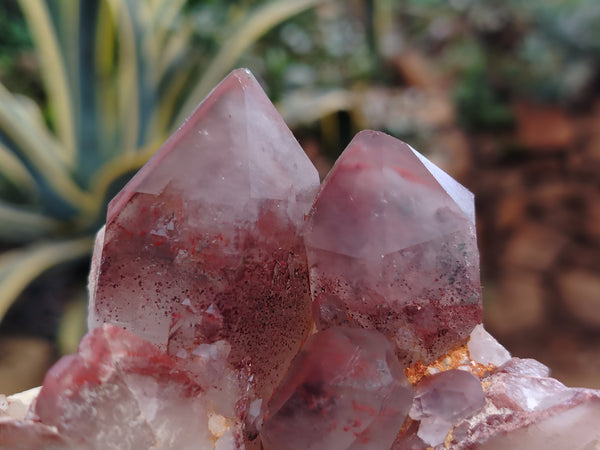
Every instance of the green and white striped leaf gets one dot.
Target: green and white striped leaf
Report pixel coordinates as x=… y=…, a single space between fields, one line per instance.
x=21 y=266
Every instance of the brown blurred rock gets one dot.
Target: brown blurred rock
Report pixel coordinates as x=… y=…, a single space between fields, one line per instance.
x=592 y=218
x=580 y=291
x=497 y=182
x=552 y=193
x=592 y=151
x=533 y=247
x=581 y=256
x=511 y=209
x=23 y=362
x=543 y=127
x=558 y=204
x=435 y=110
x=450 y=151
x=517 y=304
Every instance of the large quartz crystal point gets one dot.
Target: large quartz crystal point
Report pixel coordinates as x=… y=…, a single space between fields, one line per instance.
x=202 y=245
x=121 y=392
x=345 y=390
x=391 y=245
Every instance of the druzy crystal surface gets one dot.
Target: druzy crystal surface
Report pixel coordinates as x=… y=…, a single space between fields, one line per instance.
x=232 y=309
x=391 y=246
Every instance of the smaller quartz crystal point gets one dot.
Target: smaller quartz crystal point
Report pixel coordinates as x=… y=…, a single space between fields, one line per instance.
x=443 y=399
x=485 y=349
x=120 y=392
x=391 y=245
x=346 y=390
x=201 y=253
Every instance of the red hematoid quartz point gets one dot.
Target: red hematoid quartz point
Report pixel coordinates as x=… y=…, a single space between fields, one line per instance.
x=391 y=245
x=121 y=392
x=346 y=390
x=202 y=246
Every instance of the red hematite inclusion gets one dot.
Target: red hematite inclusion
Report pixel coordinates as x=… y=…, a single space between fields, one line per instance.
x=202 y=246
x=391 y=245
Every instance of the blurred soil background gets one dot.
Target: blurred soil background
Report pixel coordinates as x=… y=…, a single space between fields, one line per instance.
x=504 y=95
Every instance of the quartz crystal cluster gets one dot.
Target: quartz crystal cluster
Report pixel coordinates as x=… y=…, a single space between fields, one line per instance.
x=235 y=304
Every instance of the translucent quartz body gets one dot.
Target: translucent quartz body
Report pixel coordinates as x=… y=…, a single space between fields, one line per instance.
x=391 y=245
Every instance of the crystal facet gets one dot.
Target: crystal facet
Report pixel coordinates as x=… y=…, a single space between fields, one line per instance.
x=346 y=390
x=202 y=245
x=484 y=349
x=444 y=399
x=391 y=245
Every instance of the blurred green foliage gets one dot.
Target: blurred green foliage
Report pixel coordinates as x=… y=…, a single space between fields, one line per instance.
x=492 y=53
x=332 y=52
x=499 y=51
x=15 y=40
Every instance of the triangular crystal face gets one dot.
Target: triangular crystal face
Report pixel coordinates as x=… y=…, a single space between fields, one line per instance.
x=391 y=198
x=235 y=142
x=202 y=246
x=463 y=198
x=391 y=244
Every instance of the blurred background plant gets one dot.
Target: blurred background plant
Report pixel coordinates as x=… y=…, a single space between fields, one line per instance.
x=502 y=94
